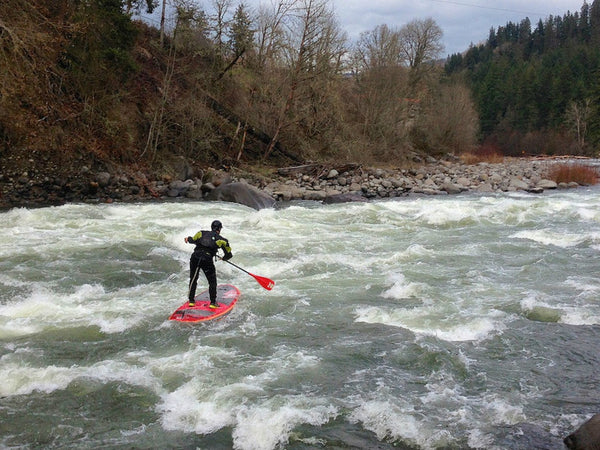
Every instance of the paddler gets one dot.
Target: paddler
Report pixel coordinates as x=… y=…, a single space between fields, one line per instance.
x=207 y=244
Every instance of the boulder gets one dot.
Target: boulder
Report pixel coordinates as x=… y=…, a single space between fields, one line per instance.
x=586 y=437
x=518 y=184
x=547 y=184
x=452 y=188
x=103 y=179
x=527 y=436
x=344 y=198
x=242 y=193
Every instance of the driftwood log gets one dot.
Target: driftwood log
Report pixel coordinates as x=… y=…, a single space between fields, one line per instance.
x=315 y=169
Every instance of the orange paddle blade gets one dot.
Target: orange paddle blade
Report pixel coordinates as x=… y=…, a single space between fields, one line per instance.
x=264 y=282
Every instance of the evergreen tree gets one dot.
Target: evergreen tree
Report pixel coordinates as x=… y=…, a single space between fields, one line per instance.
x=525 y=80
x=241 y=34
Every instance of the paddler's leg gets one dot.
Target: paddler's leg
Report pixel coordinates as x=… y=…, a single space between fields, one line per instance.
x=194 y=272
x=211 y=276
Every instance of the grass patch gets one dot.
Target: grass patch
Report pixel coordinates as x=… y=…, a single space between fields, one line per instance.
x=486 y=153
x=579 y=173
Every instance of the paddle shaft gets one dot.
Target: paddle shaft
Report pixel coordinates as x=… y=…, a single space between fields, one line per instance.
x=235 y=265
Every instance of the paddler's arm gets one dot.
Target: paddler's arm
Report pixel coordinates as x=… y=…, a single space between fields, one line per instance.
x=195 y=239
x=224 y=245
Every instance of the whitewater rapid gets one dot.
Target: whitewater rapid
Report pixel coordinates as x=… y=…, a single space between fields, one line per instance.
x=421 y=322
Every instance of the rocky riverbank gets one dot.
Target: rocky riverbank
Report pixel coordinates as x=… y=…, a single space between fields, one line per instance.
x=434 y=178
x=309 y=182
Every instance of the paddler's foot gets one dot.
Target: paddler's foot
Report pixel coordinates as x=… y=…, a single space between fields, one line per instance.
x=191 y=304
x=213 y=306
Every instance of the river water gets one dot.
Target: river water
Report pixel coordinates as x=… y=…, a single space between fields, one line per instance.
x=421 y=323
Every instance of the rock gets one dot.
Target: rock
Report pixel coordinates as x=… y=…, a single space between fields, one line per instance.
x=241 y=193
x=343 y=198
x=547 y=184
x=103 y=179
x=179 y=188
x=182 y=168
x=586 y=437
x=527 y=436
x=451 y=188
x=194 y=193
x=518 y=184
x=315 y=195
x=535 y=190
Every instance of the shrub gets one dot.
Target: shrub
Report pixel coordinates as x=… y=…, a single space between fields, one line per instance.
x=567 y=172
x=489 y=153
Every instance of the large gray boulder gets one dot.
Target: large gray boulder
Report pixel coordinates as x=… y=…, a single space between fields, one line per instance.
x=344 y=198
x=586 y=437
x=242 y=193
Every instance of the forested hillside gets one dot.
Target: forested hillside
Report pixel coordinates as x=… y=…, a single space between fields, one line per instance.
x=84 y=85
x=537 y=86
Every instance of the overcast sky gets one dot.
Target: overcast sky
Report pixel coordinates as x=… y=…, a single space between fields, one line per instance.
x=464 y=22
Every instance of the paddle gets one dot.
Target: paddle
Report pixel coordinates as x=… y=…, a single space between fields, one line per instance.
x=264 y=282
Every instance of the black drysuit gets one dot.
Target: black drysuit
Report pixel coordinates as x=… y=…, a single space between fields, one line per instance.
x=208 y=244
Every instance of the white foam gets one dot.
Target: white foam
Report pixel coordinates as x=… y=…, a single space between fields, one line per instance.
x=397 y=420
x=581 y=317
x=550 y=237
x=269 y=426
x=18 y=379
x=21 y=379
x=401 y=288
x=263 y=424
x=88 y=306
x=425 y=321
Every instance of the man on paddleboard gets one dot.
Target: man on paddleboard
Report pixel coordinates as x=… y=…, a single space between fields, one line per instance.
x=207 y=244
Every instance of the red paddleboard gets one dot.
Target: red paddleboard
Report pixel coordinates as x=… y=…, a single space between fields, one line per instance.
x=227 y=296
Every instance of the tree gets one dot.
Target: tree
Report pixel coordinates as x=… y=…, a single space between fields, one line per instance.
x=137 y=5
x=420 y=44
x=220 y=24
x=448 y=121
x=191 y=27
x=577 y=117
x=240 y=31
x=314 y=43
x=270 y=32
x=377 y=48
x=595 y=22
x=381 y=78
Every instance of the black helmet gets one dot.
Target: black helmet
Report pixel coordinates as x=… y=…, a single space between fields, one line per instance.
x=216 y=225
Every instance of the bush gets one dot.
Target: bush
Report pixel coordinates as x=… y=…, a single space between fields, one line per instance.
x=579 y=173
x=488 y=153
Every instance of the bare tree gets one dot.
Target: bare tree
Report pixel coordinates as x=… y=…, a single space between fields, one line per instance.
x=314 y=44
x=381 y=76
x=271 y=24
x=220 y=23
x=377 y=48
x=420 y=42
x=577 y=116
x=448 y=120
x=162 y=22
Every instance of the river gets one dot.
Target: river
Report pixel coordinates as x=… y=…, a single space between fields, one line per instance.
x=415 y=323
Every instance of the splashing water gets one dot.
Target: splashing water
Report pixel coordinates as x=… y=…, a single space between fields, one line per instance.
x=413 y=323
